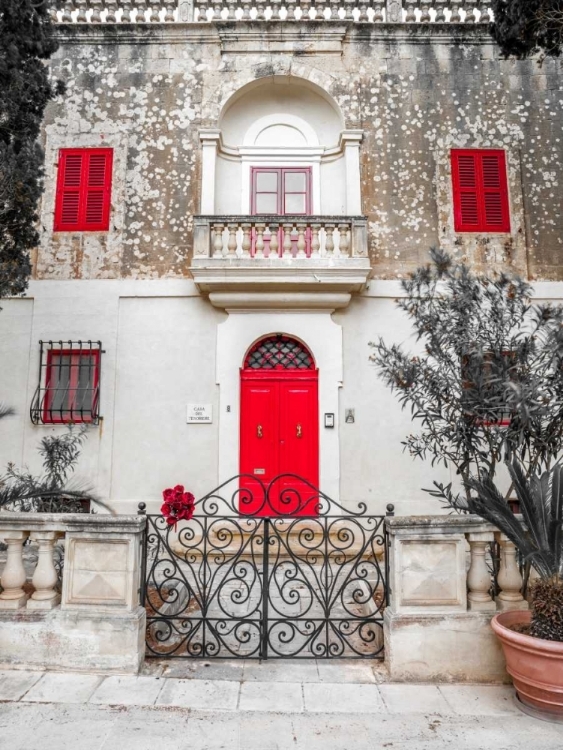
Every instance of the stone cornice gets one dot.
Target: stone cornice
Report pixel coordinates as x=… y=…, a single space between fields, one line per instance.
x=304 y=37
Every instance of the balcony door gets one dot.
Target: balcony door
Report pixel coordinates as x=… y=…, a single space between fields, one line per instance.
x=281 y=191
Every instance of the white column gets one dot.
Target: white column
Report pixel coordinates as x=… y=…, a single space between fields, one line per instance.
x=13 y=575
x=45 y=577
x=479 y=577
x=509 y=578
x=210 y=141
x=350 y=143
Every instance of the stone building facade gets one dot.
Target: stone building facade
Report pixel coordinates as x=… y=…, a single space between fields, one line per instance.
x=274 y=176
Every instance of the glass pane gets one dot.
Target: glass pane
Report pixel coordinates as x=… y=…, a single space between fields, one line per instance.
x=86 y=364
x=295 y=204
x=295 y=182
x=267 y=203
x=59 y=382
x=267 y=182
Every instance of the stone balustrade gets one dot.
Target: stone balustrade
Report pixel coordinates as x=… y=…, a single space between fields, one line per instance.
x=286 y=237
x=95 y=620
x=362 y=11
x=441 y=602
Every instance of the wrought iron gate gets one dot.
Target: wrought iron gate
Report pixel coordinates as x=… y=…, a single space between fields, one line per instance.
x=309 y=580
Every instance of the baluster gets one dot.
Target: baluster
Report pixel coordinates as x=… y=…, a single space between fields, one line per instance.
x=301 y=241
x=246 y=241
x=455 y=17
x=290 y=11
x=275 y=9
x=424 y=11
x=141 y=6
x=334 y=7
x=45 y=576
x=202 y=11
x=169 y=8
x=126 y=12
x=411 y=16
x=378 y=11
x=81 y=6
x=363 y=11
x=246 y=11
x=469 y=8
x=329 y=243
x=344 y=242
x=509 y=578
x=259 y=244
x=13 y=576
x=287 y=244
x=485 y=17
x=274 y=240
x=232 y=11
x=217 y=8
x=440 y=15
x=260 y=7
x=315 y=241
x=66 y=17
x=154 y=14
x=349 y=6
x=231 y=250
x=111 y=6
x=305 y=6
x=218 y=240
x=96 y=11
x=478 y=575
x=320 y=6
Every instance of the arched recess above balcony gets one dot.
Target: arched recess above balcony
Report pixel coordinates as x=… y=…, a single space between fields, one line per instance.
x=281 y=121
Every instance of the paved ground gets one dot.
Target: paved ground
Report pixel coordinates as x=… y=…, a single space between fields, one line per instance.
x=252 y=706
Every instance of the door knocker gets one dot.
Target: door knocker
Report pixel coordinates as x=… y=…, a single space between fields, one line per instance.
x=259 y=431
x=299 y=431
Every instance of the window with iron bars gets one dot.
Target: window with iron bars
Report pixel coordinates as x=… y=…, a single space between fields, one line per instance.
x=69 y=383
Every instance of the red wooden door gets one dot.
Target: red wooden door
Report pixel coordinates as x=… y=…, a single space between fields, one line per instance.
x=279 y=435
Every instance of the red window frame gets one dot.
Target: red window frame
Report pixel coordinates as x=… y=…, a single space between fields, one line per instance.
x=281 y=192
x=83 y=198
x=480 y=190
x=71 y=413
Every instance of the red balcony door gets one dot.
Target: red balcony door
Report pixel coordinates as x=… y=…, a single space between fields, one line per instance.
x=281 y=191
x=279 y=427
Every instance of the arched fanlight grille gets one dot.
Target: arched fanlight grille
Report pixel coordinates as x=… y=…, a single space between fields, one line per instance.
x=279 y=352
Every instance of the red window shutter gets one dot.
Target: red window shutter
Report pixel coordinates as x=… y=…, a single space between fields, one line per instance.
x=480 y=191
x=84 y=190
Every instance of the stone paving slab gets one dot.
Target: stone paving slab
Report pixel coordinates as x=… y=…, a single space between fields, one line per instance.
x=59 y=687
x=15 y=683
x=480 y=700
x=327 y=697
x=213 y=695
x=274 y=697
x=414 y=699
x=128 y=691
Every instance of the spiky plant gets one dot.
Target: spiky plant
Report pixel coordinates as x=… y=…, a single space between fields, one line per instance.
x=538 y=535
x=52 y=492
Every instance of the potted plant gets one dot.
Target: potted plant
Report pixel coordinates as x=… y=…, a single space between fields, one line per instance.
x=486 y=389
x=532 y=641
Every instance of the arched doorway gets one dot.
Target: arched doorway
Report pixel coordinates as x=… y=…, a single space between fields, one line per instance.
x=279 y=420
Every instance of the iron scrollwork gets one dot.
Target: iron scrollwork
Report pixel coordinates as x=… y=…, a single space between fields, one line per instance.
x=266 y=571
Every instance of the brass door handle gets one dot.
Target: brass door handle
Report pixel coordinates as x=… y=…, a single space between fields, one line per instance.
x=259 y=431
x=299 y=431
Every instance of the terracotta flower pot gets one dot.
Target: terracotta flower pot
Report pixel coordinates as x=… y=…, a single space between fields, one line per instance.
x=535 y=665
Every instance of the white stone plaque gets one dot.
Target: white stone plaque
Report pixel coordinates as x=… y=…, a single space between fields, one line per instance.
x=200 y=414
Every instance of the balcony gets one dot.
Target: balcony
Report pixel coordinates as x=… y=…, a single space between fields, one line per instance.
x=280 y=261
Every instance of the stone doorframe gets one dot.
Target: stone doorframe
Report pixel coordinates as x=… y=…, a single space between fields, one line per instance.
x=323 y=337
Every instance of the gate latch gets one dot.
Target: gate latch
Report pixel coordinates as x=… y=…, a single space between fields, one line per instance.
x=299 y=431
x=259 y=431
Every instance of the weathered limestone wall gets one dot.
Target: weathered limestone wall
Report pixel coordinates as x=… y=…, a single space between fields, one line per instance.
x=148 y=91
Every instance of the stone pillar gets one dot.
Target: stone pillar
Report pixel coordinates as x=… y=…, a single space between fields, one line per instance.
x=45 y=577
x=350 y=143
x=13 y=576
x=509 y=578
x=210 y=140
x=479 y=577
